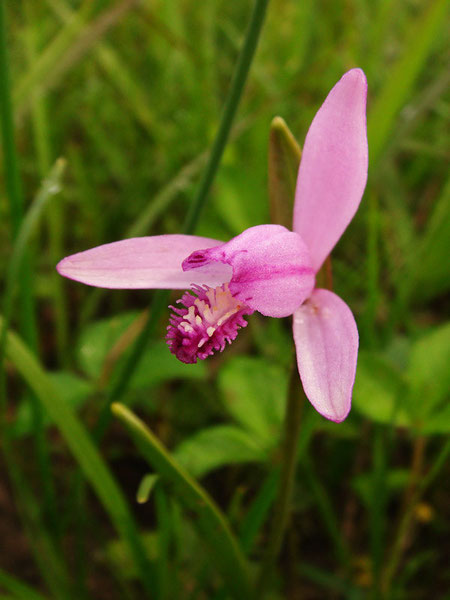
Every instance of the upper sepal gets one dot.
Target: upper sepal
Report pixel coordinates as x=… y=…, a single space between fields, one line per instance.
x=333 y=169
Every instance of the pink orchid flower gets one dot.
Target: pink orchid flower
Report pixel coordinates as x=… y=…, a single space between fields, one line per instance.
x=266 y=268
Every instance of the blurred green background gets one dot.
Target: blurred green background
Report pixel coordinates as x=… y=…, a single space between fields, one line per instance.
x=130 y=94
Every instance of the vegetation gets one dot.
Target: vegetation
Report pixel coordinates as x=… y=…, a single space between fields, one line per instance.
x=109 y=110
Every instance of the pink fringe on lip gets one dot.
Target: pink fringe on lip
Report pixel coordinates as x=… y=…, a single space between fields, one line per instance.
x=205 y=323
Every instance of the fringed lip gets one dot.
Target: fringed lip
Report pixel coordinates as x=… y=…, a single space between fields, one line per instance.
x=205 y=322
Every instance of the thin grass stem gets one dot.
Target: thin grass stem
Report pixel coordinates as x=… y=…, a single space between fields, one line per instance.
x=282 y=508
x=229 y=112
x=160 y=298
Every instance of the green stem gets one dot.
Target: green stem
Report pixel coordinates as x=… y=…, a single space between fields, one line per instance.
x=282 y=507
x=378 y=506
x=229 y=111
x=373 y=271
x=161 y=297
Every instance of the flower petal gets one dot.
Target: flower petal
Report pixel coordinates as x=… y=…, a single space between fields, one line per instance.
x=271 y=268
x=326 y=340
x=333 y=168
x=144 y=262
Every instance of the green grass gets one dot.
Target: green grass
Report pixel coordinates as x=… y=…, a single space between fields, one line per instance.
x=134 y=95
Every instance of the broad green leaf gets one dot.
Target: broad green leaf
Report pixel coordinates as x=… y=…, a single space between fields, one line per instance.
x=226 y=553
x=429 y=368
x=216 y=447
x=157 y=365
x=380 y=392
x=254 y=393
x=97 y=339
x=396 y=480
x=284 y=160
x=70 y=388
x=398 y=352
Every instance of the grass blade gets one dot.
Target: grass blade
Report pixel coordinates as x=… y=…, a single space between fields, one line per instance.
x=227 y=553
x=42 y=140
x=18 y=267
x=118 y=72
x=403 y=74
x=66 y=50
x=30 y=84
x=20 y=590
x=84 y=451
x=258 y=511
x=229 y=111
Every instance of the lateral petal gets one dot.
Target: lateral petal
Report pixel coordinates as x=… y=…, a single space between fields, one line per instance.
x=144 y=262
x=333 y=169
x=326 y=341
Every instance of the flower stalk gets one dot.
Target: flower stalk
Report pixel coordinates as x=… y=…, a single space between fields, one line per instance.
x=283 y=504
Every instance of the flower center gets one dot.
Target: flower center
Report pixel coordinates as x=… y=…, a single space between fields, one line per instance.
x=205 y=322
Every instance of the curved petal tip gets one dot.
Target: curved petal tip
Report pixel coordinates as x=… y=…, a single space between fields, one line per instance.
x=357 y=75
